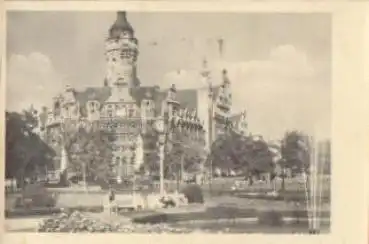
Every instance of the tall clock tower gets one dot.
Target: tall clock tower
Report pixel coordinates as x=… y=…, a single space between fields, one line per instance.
x=120 y=109
x=121 y=54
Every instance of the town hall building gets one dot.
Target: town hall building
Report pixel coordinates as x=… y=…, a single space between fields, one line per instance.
x=126 y=108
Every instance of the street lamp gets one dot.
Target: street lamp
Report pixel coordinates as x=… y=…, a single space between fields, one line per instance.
x=160 y=129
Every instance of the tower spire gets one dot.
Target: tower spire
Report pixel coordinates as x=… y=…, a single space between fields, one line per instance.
x=121 y=55
x=122 y=15
x=120 y=25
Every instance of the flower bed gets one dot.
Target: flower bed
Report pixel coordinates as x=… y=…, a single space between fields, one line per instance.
x=79 y=222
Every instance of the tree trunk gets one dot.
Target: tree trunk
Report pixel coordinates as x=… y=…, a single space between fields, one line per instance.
x=84 y=176
x=283 y=187
x=182 y=167
x=20 y=178
x=178 y=180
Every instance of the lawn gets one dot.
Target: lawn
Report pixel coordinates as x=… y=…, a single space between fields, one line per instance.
x=221 y=191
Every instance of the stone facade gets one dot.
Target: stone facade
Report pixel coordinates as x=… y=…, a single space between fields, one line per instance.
x=125 y=108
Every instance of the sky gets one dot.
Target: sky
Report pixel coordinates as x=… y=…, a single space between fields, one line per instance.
x=279 y=64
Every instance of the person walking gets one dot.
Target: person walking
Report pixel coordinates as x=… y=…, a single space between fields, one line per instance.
x=111 y=200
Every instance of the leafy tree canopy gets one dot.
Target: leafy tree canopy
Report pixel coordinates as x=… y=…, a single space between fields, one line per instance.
x=90 y=149
x=234 y=151
x=25 y=150
x=295 y=151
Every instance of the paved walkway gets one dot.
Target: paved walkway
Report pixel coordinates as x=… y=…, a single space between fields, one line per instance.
x=22 y=224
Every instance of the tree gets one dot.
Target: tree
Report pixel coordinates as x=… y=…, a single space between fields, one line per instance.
x=234 y=151
x=25 y=150
x=185 y=153
x=295 y=152
x=89 y=150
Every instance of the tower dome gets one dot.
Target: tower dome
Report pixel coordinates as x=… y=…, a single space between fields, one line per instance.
x=121 y=51
x=120 y=25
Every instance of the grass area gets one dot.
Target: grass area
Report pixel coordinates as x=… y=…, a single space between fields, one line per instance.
x=220 y=192
x=220 y=203
x=291 y=184
x=243 y=228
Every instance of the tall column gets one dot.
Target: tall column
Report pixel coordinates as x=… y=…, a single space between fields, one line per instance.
x=211 y=133
x=161 y=130
x=161 y=156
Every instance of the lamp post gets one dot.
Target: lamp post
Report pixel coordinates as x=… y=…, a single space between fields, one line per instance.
x=160 y=129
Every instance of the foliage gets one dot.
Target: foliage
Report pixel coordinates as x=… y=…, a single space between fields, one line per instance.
x=183 y=148
x=233 y=151
x=25 y=150
x=74 y=222
x=193 y=193
x=81 y=222
x=89 y=149
x=295 y=151
x=38 y=196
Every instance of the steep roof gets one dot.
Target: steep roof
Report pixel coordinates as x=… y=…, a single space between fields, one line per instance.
x=100 y=94
x=152 y=93
x=145 y=92
x=188 y=98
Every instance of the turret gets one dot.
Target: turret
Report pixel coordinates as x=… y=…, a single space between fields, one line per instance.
x=224 y=101
x=70 y=108
x=121 y=54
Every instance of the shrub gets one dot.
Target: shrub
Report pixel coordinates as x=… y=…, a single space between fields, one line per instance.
x=36 y=195
x=271 y=218
x=79 y=222
x=193 y=193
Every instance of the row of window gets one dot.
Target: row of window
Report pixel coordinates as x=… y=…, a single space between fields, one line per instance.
x=121 y=125
x=124 y=54
x=122 y=148
x=127 y=137
x=121 y=106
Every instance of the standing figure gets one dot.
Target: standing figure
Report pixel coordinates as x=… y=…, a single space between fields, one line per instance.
x=111 y=200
